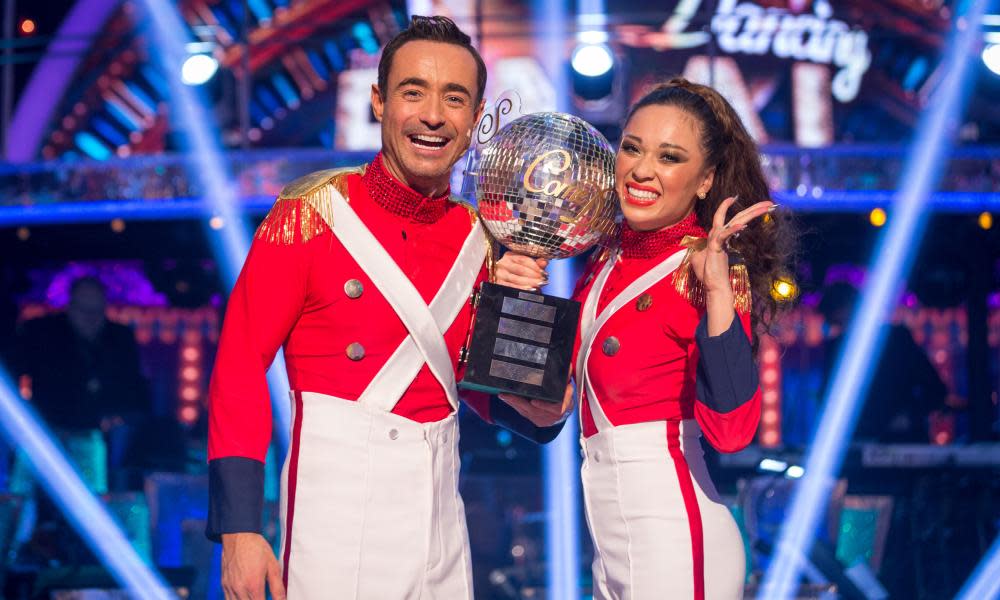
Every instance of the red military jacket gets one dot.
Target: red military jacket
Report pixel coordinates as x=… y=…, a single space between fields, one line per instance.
x=302 y=290
x=662 y=365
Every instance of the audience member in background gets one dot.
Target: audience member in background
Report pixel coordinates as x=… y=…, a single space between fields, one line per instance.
x=84 y=369
x=86 y=384
x=905 y=387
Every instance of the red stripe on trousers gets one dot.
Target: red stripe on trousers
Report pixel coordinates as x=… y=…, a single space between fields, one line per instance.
x=691 y=505
x=293 y=468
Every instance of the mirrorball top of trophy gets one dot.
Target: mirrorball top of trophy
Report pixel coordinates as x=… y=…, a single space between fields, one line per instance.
x=545 y=186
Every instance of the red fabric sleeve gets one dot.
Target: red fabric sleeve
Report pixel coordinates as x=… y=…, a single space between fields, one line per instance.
x=265 y=303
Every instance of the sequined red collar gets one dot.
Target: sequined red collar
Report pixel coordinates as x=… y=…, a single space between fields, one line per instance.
x=650 y=244
x=395 y=197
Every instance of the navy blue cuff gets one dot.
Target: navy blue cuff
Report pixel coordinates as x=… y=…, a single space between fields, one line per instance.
x=727 y=376
x=505 y=416
x=235 y=496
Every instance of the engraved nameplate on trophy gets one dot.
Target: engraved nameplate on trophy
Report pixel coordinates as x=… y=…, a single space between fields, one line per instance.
x=519 y=343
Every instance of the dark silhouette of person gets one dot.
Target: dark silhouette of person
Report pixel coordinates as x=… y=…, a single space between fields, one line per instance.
x=84 y=369
x=85 y=377
x=905 y=386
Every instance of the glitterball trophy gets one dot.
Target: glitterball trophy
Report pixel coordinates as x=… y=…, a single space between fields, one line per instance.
x=545 y=188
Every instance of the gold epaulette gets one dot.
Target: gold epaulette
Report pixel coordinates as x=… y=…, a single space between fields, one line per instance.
x=305 y=206
x=690 y=288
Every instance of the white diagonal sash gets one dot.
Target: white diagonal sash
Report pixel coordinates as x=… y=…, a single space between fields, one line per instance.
x=591 y=324
x=424 y=327
x=395 y=377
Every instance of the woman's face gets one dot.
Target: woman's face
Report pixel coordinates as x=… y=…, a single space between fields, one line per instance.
x=660 y=167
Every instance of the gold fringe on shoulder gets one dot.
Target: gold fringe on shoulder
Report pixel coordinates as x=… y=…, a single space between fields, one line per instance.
x=689 y=287
x=287 y=217
x=687 y=284
x=305 y=207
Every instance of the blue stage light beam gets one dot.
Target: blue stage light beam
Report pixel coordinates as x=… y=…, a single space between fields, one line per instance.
x=866 y=335
x=561 y=457
x=561 y=468
x=984 y=583
x=84 y=512
x=231 y=242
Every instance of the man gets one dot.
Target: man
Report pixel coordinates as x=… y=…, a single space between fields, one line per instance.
x=84 y=369
x=364 y=276
x=88 y=386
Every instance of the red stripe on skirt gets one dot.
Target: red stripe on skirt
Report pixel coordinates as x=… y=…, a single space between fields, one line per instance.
x=691 y=505
x=293 y=469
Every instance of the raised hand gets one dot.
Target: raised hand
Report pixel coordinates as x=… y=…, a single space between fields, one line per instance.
x=711 y=264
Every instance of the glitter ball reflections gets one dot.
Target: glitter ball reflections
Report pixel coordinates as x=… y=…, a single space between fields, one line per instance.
x=545 y=186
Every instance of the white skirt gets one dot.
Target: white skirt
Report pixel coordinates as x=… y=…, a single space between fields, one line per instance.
x=660 y=530
x=370 y=506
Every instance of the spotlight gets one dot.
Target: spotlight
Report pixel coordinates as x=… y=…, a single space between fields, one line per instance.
x=28 y=27
x=592 y=60
x=985 y=220
x=784 y=289
x=593 y=74
x=877 y=217
x=991 y=57
x=772 y=465
x=118 y=225
x=198 y=69
x=795 y=472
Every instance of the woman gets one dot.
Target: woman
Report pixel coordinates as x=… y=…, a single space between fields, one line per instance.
x=664 y=352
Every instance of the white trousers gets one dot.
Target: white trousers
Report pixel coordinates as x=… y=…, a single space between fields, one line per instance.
x=660 y=530
x=370 y=506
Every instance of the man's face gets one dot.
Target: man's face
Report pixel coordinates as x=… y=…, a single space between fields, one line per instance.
x=86 y=311
x=427 y=111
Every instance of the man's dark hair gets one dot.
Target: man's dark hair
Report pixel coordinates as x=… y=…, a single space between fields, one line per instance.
x=430 y=29
x=91 y=281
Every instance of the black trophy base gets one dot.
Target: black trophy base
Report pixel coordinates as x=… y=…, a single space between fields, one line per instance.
x=522 y=343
